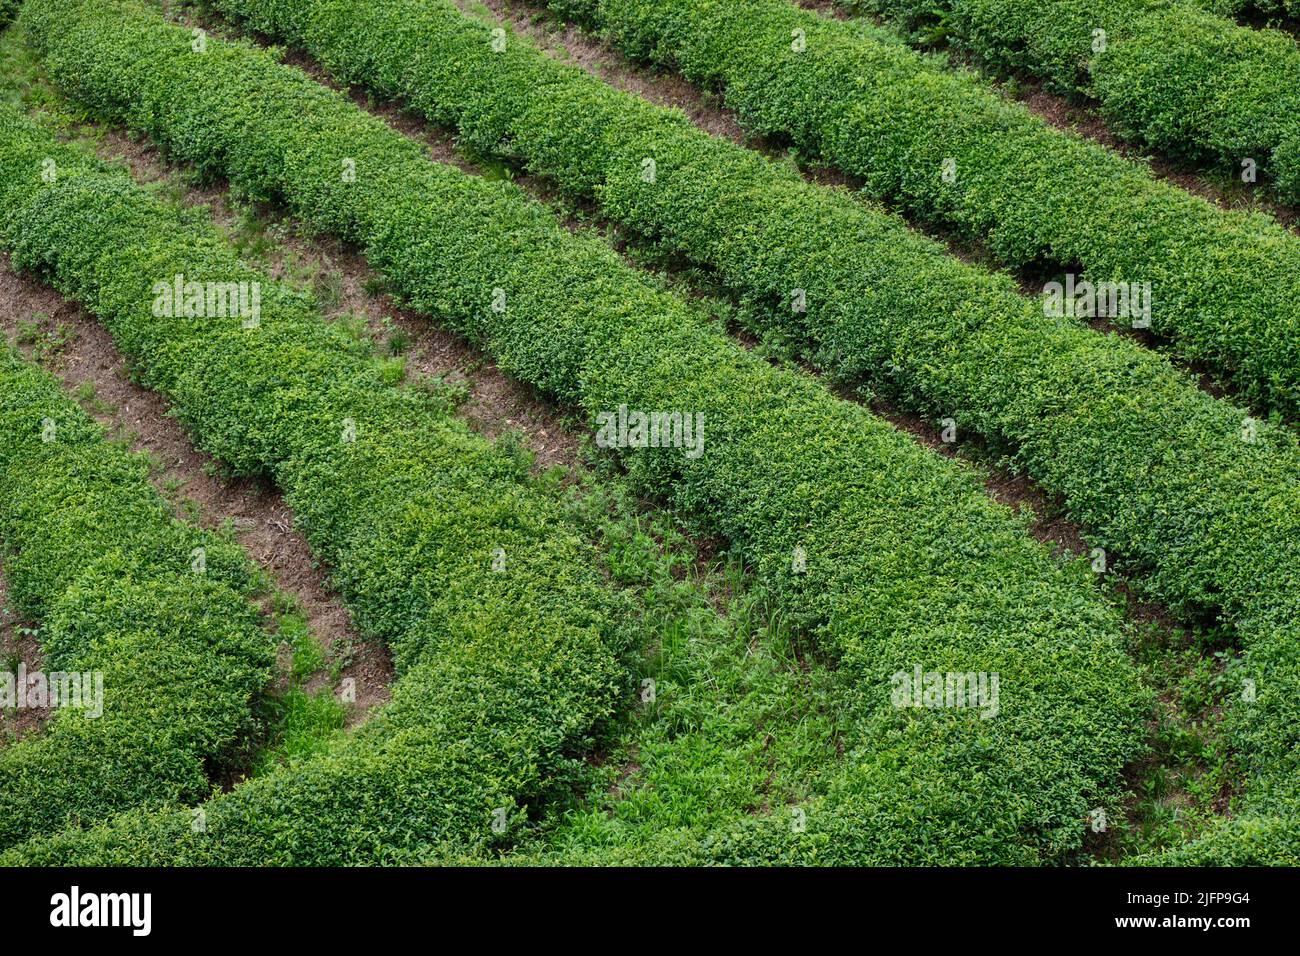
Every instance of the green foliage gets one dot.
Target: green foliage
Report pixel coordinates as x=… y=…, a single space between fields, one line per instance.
x=907 y=560
x=735 y=722
x=92 y=551
x=1214 y=520
x=307 y=656
x=308 y=724
x=1157 y=469
x=1186 y=81
x=1225 y=285
x=504 y=674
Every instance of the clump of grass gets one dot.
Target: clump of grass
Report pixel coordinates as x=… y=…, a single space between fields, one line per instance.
x=301 y=723
x=392 y=370
x=355 y=328
x=396 y=339
x=308 y=726
x=44 y=338
x=443 y=393
x=328 y=289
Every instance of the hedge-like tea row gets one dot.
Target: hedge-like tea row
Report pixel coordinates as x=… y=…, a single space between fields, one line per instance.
x=93 y=553
x=466 y=735
x=1181 y=80
x=948 y=150
x=1213 y=516
x=887 y=554
x=505 y=671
